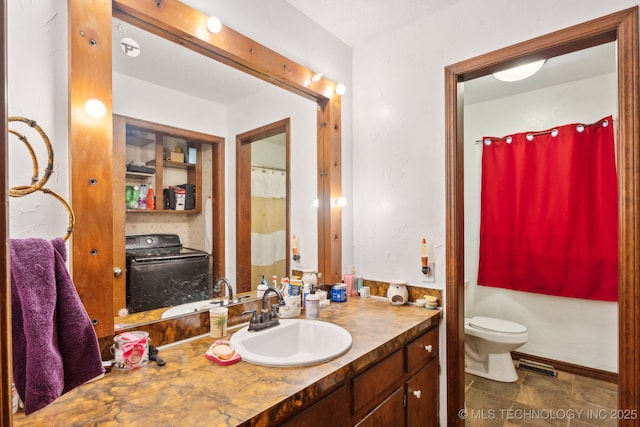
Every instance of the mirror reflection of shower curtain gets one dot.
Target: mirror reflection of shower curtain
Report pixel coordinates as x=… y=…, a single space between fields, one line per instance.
x=268 y=222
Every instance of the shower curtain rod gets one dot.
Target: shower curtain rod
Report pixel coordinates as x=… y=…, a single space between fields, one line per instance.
x=579 y=127
x=268 y=167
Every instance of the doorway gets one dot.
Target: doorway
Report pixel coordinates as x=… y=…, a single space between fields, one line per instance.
x=262 y=232
x=623 y=28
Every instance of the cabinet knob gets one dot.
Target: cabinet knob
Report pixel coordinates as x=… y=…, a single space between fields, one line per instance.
x=117 y=272
x=429 y=348
x=417 y=393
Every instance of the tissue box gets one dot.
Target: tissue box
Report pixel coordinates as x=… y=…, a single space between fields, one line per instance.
x=176 y=157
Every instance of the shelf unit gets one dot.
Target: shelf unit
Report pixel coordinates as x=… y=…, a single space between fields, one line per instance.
x=146 y=143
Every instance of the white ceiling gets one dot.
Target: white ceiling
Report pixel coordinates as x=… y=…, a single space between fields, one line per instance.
x=170 y=65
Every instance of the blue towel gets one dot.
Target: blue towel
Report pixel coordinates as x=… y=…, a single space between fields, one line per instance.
x=55 y=347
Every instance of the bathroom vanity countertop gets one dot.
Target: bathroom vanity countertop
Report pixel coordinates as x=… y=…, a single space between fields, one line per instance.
x=193 y=391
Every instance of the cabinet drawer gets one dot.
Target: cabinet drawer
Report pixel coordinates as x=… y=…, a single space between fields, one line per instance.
x=422 y=349
x=368 y=385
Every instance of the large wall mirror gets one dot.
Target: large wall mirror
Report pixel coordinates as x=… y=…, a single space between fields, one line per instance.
x=221 y=85
x=160 y=81
x=619 y=32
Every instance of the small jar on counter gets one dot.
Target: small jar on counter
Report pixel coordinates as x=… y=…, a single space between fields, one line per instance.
x=339 y=292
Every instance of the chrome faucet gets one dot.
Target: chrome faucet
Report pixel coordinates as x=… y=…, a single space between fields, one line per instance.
x=216 y=287
x=267 y=318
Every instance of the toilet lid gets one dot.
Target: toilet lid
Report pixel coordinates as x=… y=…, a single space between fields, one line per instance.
x=497 y=325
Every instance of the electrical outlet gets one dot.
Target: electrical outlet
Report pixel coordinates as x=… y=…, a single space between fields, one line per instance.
x=430 y=277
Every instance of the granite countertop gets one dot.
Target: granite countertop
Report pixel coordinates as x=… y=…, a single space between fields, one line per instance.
x=193 y=391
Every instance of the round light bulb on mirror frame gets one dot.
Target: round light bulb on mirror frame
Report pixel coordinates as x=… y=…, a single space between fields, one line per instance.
x=341 y=201
x=340 y=89
x=316 y=77
x=95 y=108
x=214 y=24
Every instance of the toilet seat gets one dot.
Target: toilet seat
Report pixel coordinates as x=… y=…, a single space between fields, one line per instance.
x=496 y=325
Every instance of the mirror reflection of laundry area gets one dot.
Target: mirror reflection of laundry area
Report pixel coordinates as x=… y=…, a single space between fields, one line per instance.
x=506 y=324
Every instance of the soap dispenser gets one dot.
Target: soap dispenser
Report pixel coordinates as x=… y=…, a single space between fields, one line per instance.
x=263 y=286
x=312 y=308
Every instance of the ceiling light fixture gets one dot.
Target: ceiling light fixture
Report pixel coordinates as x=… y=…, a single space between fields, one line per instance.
x=520 y=72
x=214 y=24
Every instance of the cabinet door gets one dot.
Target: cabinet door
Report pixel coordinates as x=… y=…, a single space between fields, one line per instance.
x=332 y=410
x=422 y=397
x=388 y=413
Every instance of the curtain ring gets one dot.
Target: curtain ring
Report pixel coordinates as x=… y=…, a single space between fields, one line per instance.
x=580 y=128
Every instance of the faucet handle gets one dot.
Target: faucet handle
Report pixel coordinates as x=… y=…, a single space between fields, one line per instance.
x=274 y=311
x=254 y=315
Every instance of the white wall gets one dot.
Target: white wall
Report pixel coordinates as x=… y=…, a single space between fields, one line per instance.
x=399 y=122
x=269 y=106
x=37 y=90
x=559 y=328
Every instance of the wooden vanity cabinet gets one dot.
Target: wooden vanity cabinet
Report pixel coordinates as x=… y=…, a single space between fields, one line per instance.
x=413 y=400
x=423 y=368
x=401 y=389
x=328 y=411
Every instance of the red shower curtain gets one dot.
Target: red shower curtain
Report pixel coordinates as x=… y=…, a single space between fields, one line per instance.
x=549 y=212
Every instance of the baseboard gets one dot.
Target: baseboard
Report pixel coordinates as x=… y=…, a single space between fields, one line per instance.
x=598 y=374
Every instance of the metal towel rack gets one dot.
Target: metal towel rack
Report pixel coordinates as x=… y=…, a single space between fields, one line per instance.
x=39 y=184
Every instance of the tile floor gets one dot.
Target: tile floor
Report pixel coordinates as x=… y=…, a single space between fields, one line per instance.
x=539 y=400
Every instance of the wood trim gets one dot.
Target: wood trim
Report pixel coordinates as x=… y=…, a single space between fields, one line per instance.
x=622 y=26
x=454 y=300
x=178 y=22
x=5 y=291
x=243 y=199
x=119 y=222
x=90 y=145
x=629 y=231
x=571 y=368
x=330 y=185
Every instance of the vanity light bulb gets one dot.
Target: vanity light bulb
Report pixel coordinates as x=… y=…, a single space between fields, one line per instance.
x=214 y=24
x=341 y=201
x=95 y=108
x=316 y=77
x=340 y=89
x=316 y=203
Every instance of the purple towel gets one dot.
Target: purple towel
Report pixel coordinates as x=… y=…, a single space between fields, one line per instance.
x=55 y=348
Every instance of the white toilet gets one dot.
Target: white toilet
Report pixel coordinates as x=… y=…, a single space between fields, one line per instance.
x=487 y=346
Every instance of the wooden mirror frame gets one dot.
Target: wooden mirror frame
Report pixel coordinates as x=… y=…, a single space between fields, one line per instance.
x=91 y=139
x=623 y=27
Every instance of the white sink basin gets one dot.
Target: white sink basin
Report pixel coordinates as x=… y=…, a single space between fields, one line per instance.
x=294 y=342
x=190 y=307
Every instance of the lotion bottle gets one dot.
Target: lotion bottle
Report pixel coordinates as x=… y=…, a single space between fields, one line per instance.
x=312 y=304
x=262 y=287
